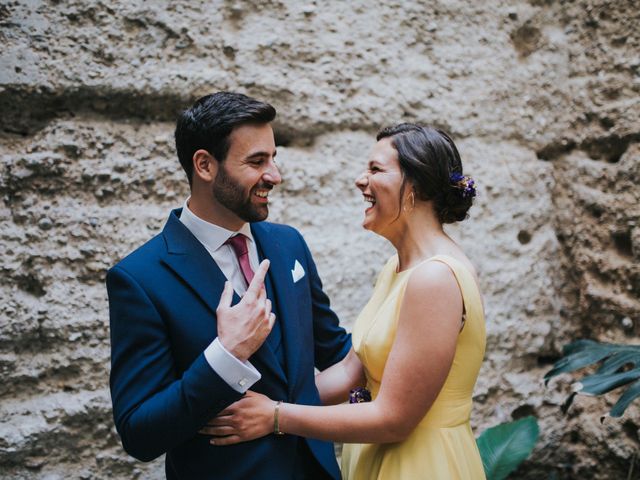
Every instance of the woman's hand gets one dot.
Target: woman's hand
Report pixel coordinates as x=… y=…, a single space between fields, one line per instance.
x=249 y=418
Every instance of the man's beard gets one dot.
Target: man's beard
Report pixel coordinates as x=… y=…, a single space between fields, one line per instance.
x=231 y=195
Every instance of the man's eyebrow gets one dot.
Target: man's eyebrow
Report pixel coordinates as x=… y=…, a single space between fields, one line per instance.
x=258 y=154
x=261 y=154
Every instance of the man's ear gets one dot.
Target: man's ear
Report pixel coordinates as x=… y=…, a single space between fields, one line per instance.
x=205 y=167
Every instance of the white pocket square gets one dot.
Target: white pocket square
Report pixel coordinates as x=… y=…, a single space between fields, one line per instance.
x=298 y=272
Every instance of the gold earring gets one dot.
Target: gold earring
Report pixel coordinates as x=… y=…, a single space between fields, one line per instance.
x=413 y=202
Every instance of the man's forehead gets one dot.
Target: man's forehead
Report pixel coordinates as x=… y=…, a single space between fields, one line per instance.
x=253 y=137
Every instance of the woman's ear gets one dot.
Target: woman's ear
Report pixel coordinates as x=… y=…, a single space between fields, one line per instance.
x=205 y=167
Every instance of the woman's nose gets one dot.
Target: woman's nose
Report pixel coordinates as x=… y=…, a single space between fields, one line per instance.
x=362 y=180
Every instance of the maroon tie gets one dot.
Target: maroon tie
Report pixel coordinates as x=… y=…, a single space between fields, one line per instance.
x=239 y=244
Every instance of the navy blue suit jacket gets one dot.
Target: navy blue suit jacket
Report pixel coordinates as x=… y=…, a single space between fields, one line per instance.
x=162 y=300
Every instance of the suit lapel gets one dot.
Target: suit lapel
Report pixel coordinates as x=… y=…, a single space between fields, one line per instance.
x=280 y=268
x=188 y=258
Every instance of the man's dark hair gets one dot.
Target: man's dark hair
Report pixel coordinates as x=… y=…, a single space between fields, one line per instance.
x=208 y=123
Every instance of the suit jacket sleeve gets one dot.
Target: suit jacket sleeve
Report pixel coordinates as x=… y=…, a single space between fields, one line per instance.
x=154 y=407
x=332 y=342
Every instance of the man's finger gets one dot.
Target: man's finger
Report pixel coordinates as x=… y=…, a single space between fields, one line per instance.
x=222 y=441
x=226 y=296
x=258 y=278
x=272 y=320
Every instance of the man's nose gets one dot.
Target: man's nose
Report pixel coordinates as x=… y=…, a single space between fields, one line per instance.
x=272 y=174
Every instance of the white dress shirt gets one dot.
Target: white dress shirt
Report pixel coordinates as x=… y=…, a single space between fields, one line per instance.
x=238 y=375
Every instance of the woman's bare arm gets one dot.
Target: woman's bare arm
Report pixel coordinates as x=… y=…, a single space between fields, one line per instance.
x=335 y=382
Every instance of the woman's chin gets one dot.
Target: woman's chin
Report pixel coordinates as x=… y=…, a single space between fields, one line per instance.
x=368 y=225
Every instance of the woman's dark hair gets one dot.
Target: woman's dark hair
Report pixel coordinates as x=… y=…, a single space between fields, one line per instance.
x=428 y=157
x=208 y=123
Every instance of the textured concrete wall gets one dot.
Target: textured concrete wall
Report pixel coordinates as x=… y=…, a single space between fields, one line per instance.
x=541 y=96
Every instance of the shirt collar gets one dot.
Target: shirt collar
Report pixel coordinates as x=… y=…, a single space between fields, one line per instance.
x=212 y=236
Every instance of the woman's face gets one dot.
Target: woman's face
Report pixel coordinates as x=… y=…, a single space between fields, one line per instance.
x=380 y=184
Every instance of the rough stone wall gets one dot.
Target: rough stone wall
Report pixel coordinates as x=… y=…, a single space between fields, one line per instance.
x=542 y=98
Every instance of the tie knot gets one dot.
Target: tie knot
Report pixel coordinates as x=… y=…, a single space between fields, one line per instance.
x=239 y=244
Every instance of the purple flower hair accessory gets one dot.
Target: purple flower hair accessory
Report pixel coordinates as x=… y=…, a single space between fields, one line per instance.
x=465 y=184
x=359 y=395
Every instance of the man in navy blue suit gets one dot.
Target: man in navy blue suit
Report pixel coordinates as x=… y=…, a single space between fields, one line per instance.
x=217 y=303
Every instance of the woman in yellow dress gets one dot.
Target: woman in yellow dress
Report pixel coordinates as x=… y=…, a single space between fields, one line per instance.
x=419 y=341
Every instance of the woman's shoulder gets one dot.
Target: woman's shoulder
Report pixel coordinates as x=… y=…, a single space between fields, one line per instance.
x=432 y=275
x=438 y=278
x=432 y=297
x=457 y=265
x=447 y=280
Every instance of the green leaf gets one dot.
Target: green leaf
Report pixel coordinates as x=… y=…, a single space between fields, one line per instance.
x=598 y=384
x=576 y=360
x=614 y=372
x=506 y=446
x=625 y=399
x=620 y=359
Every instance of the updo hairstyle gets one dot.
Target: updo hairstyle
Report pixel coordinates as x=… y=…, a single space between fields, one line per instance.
x=428 y=157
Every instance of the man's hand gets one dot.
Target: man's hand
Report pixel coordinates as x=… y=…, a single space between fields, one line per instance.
x=244 y=327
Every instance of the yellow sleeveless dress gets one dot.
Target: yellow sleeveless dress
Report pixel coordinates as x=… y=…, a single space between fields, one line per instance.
x=442 y=446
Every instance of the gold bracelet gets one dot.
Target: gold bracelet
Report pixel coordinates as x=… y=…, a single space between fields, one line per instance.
x=276 y=420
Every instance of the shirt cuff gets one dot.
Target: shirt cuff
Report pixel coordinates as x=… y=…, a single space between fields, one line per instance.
x=238 y=375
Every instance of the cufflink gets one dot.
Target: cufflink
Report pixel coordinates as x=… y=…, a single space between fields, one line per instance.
x=242 y=382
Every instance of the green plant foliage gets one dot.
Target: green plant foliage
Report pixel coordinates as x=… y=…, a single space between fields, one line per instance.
x=505 y=446
x=620 y=366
